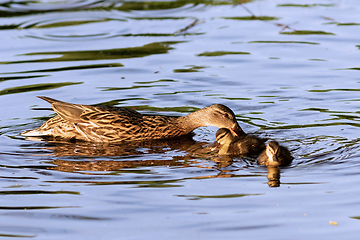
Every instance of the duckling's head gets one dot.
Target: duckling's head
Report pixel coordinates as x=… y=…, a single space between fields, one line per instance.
x=224 y=137
x=221 y=116
x=272 y=150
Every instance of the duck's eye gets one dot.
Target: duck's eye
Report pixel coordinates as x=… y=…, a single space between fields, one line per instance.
x=226 y=115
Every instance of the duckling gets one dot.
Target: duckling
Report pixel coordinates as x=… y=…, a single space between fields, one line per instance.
x=275 y=155
x=237 y=145
x=118 y=124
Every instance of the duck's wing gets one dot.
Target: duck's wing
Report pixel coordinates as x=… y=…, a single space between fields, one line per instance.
x=98 y=123
x=67 y=111
x=77 y=113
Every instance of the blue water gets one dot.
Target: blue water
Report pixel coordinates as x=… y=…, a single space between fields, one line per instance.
x=288 y=69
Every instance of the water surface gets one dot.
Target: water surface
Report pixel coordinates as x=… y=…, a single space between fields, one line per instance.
x=288 y=69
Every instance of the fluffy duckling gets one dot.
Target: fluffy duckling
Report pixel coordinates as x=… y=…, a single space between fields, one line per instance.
x=275 y=155
x=118 y=124
x=237 y=145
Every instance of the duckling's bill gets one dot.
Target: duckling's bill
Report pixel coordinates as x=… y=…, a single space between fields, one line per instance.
x=272 y=156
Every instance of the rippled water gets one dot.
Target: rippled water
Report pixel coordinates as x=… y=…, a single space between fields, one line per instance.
x=288 y=69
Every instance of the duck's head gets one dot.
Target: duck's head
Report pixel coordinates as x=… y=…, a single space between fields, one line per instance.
x=221 y=116
x=272 y=150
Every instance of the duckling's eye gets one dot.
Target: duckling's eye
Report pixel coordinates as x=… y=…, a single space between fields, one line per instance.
x=226 y=115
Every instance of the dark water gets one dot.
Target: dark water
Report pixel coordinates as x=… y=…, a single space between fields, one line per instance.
x=288 y=69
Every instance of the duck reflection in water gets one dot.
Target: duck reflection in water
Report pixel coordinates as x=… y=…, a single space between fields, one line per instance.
x=95 y=157
x=64 y=148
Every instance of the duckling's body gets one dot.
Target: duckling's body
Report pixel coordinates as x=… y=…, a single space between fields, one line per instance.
x=111 y=124
x=275 y=155
x=243 y=145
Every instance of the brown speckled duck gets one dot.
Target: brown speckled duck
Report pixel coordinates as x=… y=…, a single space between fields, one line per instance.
x=243 y=144
x=275 y=155
x=112 y=124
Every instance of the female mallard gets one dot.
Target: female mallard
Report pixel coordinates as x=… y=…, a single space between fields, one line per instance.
x=111 y=124
x=237 y=145
x=275 y=155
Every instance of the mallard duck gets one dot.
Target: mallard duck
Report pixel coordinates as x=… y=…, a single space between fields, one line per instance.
x=112 y=124
x=243 y=144
x=275 y=155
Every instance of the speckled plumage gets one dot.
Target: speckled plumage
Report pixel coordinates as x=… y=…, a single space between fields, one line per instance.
x=112 y=124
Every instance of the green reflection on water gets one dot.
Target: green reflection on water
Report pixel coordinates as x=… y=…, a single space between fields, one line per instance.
x=156 y=18
x=191 y=69
x=306 y=5
x=342 y=24
x=214 y=95
x=157 y=34
x=9 y=26
x=17 y=236
x=220 y=53
x=246 y=18
x=3 y=79
x=119 y=53
x=198 y=197
x=307 y=32
x=37 y=192
x=317 y=59
x=36 y=87
x=242 y=99
x=29 y=7
x=337 y=89
x=177 y=92
x=146 y=6
x=32 y=207
x=355 y=68
x=348 y=24
x=70 y=23
x=81 y=67
x=296 y=42
x=128 y=88
x=156 y=81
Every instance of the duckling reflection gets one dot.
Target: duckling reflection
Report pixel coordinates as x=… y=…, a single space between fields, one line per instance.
x=275 y=155
x=243 y=145
x=273 y=176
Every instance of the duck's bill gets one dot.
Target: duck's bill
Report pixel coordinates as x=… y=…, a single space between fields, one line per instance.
x=236 y=130
x=214 y=146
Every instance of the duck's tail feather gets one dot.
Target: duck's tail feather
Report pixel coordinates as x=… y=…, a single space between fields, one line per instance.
x=36 y=133
x=47 y=109
x=49 y=100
